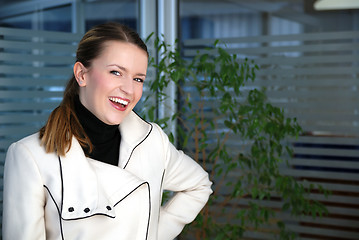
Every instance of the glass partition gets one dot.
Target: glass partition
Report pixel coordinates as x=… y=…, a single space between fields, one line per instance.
x=238 y=18
x=63 y=15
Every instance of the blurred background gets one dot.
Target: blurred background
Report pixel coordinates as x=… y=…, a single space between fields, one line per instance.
x=307 y=51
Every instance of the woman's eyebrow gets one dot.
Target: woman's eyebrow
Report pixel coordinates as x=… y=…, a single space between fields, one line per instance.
x=118 y=66
x=125 y=69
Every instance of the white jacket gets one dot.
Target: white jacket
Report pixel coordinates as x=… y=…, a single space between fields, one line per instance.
x=75 y=197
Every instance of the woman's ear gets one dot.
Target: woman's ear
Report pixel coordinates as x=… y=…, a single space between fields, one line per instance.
x=79 y=72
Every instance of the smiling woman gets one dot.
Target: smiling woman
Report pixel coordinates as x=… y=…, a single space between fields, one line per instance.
x=96 y=170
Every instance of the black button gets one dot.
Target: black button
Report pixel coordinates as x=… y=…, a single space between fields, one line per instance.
x=86 y=210
x=71 y=209
x=108 y=208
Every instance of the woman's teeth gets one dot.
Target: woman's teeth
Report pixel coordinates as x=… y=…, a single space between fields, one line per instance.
x=118 y=100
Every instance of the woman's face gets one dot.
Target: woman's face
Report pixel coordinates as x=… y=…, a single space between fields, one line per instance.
x=111 y=87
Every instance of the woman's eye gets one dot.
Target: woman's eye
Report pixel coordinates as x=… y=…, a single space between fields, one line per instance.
x=115 y=73
x=138 y=80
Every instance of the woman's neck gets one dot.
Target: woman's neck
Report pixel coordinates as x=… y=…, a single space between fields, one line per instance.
x=104 y=138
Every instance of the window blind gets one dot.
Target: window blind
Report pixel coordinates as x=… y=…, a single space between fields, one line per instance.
x=314 y=78
x=34 y=68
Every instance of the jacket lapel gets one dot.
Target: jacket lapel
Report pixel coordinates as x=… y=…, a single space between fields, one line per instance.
x=134 y=130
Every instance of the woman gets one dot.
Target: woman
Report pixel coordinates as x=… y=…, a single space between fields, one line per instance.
x=96 y=170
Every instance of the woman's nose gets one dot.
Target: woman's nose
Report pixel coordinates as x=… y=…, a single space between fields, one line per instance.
x=127 y=85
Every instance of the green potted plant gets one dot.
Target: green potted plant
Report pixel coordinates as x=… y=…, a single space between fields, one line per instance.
x=239 y=137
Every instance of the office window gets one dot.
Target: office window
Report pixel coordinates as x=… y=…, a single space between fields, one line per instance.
x=59 y=16
x=124 y=12
x=35 y=15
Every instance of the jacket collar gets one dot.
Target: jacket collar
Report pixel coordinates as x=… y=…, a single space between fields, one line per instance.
x=134 y=130
x=83 y=195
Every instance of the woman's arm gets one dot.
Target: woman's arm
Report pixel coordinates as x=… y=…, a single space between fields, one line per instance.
x=23 y=196
x=192 y=189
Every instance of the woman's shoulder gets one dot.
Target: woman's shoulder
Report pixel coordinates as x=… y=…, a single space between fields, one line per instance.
x=29 y=144
x=32 y=140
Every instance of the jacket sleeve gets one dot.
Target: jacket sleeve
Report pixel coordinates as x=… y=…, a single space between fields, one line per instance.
x=191 y=187
x=23 y=196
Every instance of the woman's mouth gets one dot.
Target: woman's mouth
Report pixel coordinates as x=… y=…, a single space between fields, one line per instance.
x=119 y=103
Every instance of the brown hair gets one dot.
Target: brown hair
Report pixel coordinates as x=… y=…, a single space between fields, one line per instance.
x=63 y=123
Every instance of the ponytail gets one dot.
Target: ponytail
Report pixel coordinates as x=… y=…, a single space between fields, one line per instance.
x=63 y=124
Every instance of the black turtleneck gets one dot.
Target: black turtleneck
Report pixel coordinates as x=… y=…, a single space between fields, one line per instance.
x=104 y=138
